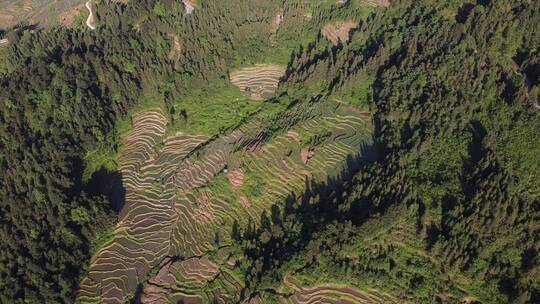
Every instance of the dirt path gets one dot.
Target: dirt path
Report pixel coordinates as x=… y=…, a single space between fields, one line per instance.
x=383 y=3
x=90 y=20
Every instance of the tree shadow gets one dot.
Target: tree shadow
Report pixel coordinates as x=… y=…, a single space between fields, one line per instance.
x=109 y=184
x=464 y=12
x=293 y=222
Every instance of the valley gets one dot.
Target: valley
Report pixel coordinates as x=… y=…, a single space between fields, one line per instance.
x=269 y=151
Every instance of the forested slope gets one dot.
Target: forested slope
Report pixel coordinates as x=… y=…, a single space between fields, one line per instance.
x=450 y=211
x=63 y=92
x=447 y=211
x=44 y=13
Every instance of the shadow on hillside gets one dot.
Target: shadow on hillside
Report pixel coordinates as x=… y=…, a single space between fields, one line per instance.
x=293 y=222
x=110 y=185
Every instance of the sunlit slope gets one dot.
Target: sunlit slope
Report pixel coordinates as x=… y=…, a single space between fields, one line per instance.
x=41 y=12
x=184 y=192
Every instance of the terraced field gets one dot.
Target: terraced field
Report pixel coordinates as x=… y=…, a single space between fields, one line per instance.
x=184 y=192
x=142 y=236
x=332 y=294
x=259 y=82
x=336 y=295
x=42 y=12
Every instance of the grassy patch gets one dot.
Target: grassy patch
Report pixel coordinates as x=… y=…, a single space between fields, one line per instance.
x=359 y=94
x=103 y=157
x=220 y=186
x=101 y=238
x=254 y=185
x=212 y=111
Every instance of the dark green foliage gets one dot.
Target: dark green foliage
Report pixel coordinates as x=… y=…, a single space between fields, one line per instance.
x=457 y=127
x=63 y=90
x=63 y=93
x=451 y=208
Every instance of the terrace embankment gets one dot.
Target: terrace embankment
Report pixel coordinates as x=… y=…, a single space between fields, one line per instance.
x=336 y=295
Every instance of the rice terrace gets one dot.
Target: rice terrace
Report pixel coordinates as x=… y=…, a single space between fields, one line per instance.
x=185 y=191
x=182 y=200
x=269 y=151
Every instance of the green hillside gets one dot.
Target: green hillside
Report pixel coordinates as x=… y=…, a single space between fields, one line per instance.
x=272 y=151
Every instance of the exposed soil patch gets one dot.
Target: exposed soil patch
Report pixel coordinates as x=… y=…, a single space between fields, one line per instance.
x=339 y=31
x=67 y=18
x=189 y=5
x=276 y=22
x=306 y=154
x=469 y=300
x=384 y=3
x=244 y=201
x=176 y=48
x=236 y=177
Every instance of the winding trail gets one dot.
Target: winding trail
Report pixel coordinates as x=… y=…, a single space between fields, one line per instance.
x=90 y=18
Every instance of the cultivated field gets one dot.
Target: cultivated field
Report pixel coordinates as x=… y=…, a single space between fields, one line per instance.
x=184 y=192
x=259 y=82
x=41 y=12
x=336 y=295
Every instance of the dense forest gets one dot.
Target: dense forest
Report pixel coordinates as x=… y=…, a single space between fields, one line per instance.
x=449 y=208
